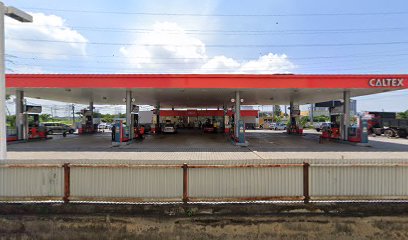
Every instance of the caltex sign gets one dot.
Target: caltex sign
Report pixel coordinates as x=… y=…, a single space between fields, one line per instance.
x=386 y=82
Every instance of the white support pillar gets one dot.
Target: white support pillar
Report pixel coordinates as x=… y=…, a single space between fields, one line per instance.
x=91 y=108
x=158 y=118
x=129 y=120
x=3 y=129
x=20 y=119
x=237 y=115
x=224 y=113
x=21 y=16
x=290 y=111
x=346 y=115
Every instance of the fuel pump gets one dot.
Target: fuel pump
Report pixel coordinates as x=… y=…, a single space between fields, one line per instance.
x=87 y=125
x=294 y=124
x=359 y=132
x=139 y=131
x=232 y=125
x=35 y=131
x=336 y=121
x=332 y=129
x=120 y=133
x=32 y=128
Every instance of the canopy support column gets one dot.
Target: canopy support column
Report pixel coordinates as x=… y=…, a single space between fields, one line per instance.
x=346 y=115
x=237 y=113
x=129 y=120
x=20 y=119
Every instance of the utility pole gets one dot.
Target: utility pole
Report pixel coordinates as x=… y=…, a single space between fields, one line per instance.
x=21 y=16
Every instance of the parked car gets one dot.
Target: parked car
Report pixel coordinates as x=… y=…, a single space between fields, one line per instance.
x=208 y=127
x=169 y=128
x=280 y=126
x=322 y=126
x=54 y=127
x=268 y=125
x=103 y=126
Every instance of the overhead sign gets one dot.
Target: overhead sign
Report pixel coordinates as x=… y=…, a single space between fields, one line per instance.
x=329 y=104
x=135 y=109
x=337 y=110
x=33 y=109
x=192 y=113
x=386 y=82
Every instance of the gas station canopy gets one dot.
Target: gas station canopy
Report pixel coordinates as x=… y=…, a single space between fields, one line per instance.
x=199 y=90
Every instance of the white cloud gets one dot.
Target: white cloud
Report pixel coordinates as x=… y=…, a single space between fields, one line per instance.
x=175 y=51
x=47 y=27
x=270 y=63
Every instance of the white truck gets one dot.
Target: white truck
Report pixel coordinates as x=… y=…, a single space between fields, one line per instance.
x=145 y=119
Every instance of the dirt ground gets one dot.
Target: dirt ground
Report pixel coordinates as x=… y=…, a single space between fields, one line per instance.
x=204 y=221
x=261 y=227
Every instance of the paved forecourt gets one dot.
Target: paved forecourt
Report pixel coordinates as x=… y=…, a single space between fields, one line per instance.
x=194 y=145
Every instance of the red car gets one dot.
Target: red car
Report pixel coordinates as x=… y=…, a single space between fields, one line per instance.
x=208 y=128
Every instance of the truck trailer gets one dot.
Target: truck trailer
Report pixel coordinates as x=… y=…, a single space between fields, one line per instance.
x=387 y=123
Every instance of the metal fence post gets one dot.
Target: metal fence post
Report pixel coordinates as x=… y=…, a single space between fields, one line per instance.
x=185 y=183
x=306 y=182
x=67 y=177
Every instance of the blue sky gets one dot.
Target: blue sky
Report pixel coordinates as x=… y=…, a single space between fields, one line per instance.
x=103 y=41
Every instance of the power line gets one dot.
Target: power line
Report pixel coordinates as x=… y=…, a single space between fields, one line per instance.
x=192 y=69
x=81 y=56
x=216 y=45
x=221 y=15
x=200 y=60
x=222 y=32
x=310 y=63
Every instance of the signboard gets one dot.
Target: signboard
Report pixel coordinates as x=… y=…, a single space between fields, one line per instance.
x=33 y=109
x=192 y=113
x=135 y=108
x=329 y=104
x=295 y=107
x=386 y=82
x=337 y=110
x=295 y=113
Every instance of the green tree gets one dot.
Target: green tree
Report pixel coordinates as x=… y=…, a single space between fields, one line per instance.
x=11 y=120
x=403 y=115
x=304 y=120
x=321 y=118
x=277 y=110
x=45 y=117
x=97 y=115
x=277 y=118
x=108 y=118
